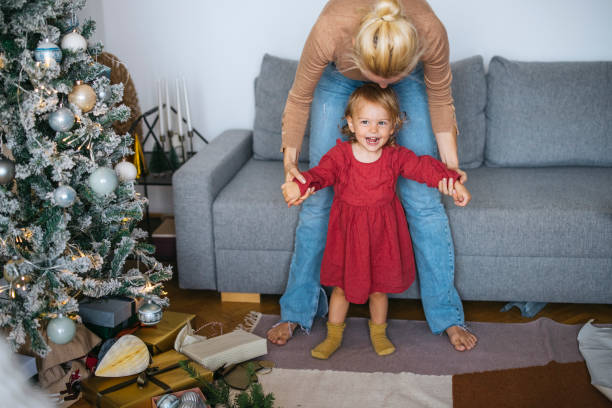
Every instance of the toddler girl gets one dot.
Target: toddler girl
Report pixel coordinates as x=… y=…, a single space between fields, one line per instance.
x=368 y=251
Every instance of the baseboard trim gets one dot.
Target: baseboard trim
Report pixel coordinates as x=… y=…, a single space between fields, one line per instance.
x=240 y=297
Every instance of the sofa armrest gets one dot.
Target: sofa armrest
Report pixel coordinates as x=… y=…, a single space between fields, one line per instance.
x=195 y=187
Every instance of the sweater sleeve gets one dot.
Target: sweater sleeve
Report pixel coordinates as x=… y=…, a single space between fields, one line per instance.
x=424 y=169
x=438 y=78
x=317 y=54
x=324 y=174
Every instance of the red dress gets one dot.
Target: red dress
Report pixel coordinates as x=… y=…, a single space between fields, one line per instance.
x=368 y=245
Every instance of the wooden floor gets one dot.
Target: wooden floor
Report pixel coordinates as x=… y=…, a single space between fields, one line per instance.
x=208 y=307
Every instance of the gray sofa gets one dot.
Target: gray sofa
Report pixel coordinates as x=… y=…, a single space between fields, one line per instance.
x=536 y=140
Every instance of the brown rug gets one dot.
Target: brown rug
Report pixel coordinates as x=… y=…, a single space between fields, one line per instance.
x=553 y=385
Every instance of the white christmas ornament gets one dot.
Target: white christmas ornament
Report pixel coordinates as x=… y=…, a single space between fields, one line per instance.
x=61 y=330
x=46 y=51
x=64 y=196
x=103 y=181
x=61 y=120
x=74 y=42
x=126 y=171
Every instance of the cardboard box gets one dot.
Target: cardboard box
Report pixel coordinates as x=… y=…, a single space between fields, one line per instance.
x=124 y=392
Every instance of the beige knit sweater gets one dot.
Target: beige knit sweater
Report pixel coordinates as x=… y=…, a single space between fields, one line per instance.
x=330 y=40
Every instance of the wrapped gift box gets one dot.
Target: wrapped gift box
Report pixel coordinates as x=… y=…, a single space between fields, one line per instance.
x=106 y=333
x=124 y=392
x=230 y=348
x=27 y=364
x=108 y=311
x=160 y=338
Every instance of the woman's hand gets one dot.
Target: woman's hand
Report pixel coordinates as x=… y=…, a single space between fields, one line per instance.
x=291 y=193
x=290 y=159
x=461 y=195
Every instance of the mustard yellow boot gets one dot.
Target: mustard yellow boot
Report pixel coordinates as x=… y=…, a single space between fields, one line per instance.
x=378 y=336
x=331 y=343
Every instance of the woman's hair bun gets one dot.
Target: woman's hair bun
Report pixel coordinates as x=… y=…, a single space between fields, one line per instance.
x=387 y=10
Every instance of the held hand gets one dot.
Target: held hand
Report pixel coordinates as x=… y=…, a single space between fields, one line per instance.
x=461 y=195
x=463 y=177
x=291 y=192
x=292 y=172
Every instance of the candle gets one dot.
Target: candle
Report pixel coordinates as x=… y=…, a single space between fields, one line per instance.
x=160 y=109
x=178 y=108
x=189 y=128
x=168 y=110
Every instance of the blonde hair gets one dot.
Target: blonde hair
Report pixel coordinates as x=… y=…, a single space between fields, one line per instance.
x=387 y=43
x=385 y=98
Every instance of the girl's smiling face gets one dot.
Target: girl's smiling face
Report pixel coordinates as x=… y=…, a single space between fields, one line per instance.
x=371 y=124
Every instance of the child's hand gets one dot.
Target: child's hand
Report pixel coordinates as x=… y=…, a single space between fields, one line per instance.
x=461 y=195
x=291 y=193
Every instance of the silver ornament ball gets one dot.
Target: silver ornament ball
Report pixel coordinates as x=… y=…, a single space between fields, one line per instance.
x=126 y=171
x=168 y=401
x=61 y=330
x=61 y=120
x=46 y=51
x=189 y=404
x=191 y=399
x=150 y=314
x=103 y=181
x=64 y=196
x=7 y=171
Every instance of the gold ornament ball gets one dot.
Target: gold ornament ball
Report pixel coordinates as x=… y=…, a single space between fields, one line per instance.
x=83 y=96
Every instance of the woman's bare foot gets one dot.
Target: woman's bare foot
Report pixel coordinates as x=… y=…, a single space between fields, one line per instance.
x=281 y=333
x=460 y=338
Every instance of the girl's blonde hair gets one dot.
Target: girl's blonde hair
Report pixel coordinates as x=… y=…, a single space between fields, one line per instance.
x=387 y=43
x=384 y=97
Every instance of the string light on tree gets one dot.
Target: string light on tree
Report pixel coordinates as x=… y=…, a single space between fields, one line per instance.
x=83 y=96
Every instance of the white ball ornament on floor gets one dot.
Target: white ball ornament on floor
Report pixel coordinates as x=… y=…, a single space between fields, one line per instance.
x=83 y=96
x=64 y=196
x=74 y=42
x=61 y=120
x=61 y=330
x=7 y=171
x=103 y=181
x=46 y=51
x=126 y=171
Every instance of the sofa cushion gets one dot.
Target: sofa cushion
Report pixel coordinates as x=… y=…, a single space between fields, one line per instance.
x=250 y=213
x=271 y=90
x=276 y=78
x=470 y=93
x=549 y=113
x=563 y=212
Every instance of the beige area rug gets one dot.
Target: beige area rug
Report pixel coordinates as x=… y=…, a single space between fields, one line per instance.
x=337 y=389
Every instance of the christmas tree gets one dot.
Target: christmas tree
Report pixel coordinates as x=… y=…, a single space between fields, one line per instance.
x=68 y=207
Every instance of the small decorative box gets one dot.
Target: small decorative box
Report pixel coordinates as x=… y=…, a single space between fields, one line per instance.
x=108 y=311
x=160 y=338
x=230 y=348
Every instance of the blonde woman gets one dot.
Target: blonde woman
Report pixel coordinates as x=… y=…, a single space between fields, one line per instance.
x=403 y=45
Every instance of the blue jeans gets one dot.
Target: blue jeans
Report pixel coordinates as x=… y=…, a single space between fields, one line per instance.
x=433 y=246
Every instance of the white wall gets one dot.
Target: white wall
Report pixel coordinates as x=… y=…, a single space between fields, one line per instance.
x=218 y=45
